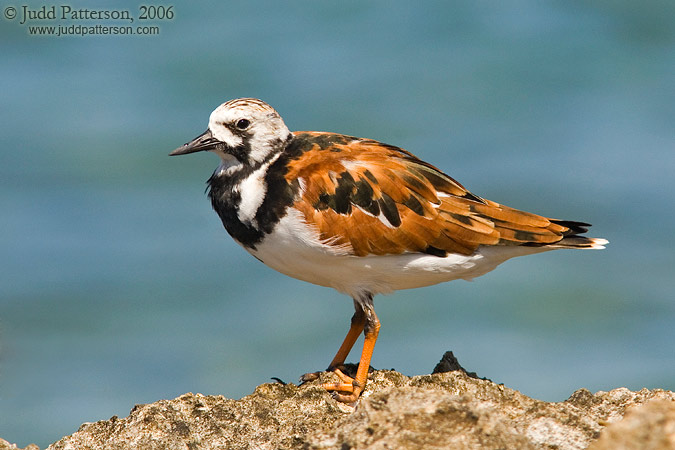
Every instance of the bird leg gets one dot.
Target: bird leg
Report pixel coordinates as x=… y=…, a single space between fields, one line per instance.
x=357 y=325
x=349 y=389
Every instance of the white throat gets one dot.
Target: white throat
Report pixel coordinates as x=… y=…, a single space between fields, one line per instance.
x=228 y=164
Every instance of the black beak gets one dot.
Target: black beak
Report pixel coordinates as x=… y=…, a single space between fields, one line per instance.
x=203 y=142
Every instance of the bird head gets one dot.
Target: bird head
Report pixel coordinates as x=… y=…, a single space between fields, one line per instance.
x=244 y=131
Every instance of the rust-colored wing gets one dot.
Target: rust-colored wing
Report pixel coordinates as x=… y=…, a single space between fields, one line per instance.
x=372 y=198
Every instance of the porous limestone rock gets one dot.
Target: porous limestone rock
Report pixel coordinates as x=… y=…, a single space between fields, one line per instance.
x=4 y=445
x=438 y=411
x=451 y=408
x=647 y=427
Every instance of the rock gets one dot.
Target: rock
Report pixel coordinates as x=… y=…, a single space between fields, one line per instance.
x=4 y=445
x=451 y=408
x=449 y=363
x=438 y=411
x=647 y=427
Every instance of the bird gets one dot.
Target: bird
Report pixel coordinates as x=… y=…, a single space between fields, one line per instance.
x=359 y=216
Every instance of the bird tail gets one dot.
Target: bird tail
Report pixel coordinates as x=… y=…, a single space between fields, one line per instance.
x=573 y=239
x=580 y=242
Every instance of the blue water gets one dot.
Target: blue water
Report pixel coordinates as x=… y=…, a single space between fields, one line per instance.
x=119 y=286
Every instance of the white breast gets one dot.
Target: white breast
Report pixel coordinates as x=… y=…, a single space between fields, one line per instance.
x=294 y=249
x=252 y=191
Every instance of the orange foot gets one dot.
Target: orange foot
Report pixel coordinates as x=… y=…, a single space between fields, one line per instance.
x=347 y=390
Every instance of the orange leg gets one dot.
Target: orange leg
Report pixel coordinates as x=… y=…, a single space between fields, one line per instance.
x=349 y=390
x=358 y=323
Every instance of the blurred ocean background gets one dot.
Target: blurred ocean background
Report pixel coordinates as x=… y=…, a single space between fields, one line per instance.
x=118 y=284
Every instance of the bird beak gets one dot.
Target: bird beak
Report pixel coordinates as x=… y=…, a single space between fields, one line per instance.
x=203 y=142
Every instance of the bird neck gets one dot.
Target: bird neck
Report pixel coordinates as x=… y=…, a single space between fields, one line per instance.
x=253 y=198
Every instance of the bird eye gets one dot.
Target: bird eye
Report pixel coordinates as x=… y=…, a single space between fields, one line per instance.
x=242 y=124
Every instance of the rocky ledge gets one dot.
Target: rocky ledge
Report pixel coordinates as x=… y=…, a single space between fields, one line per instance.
x=447 y=409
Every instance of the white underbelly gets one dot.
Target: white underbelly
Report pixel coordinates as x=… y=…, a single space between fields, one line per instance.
x=295 y=250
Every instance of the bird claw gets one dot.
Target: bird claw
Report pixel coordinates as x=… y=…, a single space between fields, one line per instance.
x=339 y=371
x=306 y=378
x=347 y=399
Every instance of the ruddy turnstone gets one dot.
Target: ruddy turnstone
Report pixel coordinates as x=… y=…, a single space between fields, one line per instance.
x=359 y=216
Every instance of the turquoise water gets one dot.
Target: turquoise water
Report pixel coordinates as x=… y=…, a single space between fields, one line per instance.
x=119 y=286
